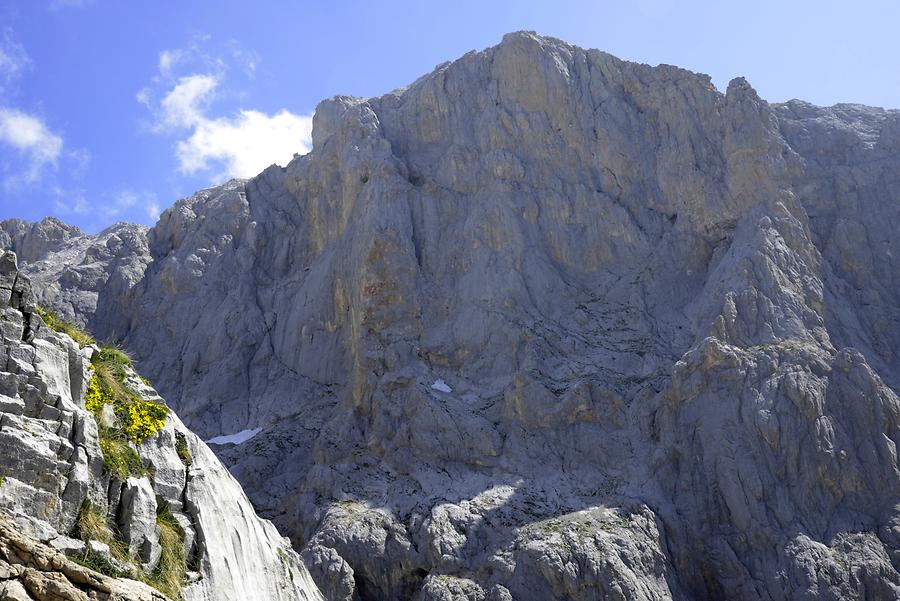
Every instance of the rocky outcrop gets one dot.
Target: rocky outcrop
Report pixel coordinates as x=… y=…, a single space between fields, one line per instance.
x=70 y=269
x=33 y=242
x=30 y=570
x=547 y=324
x=54 y=470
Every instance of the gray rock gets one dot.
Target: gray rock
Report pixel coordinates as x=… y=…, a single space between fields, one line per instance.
x=51 y=466
x=137 y=519
x=12 y=590
x=70 y=268
x=70 y=546
x=666 y=317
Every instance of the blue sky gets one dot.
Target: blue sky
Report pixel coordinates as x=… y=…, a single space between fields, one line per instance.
x=111 y=109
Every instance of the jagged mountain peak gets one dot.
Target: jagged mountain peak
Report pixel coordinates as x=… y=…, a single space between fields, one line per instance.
x=548 y=324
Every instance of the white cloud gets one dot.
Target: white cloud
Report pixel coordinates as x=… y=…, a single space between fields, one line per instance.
x=185 y=104
x=241 y=145
x=31 y=137
x=245 y=145
x=69 y=202
x=247 y=60
x=143 y=97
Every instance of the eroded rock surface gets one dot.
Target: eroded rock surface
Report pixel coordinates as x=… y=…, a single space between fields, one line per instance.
x=52 y=468
x=666 y=320
x=34 y=571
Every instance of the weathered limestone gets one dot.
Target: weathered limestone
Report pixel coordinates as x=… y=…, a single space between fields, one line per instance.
x=51 y=468
x=665 y=318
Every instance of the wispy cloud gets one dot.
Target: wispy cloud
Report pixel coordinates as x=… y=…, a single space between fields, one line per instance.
x=37 y=149
x=169 y=59
x=108 y=208
x=186 y=103
x=181 y=98
x=146 y=202
x=31 y=137
x=61 y=4
x=13 y=58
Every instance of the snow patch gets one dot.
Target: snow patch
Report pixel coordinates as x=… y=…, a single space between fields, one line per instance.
x=237 y=438
x=441 y=385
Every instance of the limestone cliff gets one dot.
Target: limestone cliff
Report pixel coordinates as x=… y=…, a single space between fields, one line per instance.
x=71 y=492
x=548 y=325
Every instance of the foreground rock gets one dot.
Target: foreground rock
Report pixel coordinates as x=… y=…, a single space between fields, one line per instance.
x=33 y=570
x=53 y=478
x=547 y=324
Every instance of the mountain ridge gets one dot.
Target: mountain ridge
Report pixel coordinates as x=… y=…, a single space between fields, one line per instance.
x=667 y=317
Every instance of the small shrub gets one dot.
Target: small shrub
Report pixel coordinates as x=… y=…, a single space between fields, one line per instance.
x=181 y=447
x=57 y=324
x=91 y=524
x=119 y=457
x=144 y=419
x=94 y=398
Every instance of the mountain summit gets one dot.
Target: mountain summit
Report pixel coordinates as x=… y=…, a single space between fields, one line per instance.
x=543 y=325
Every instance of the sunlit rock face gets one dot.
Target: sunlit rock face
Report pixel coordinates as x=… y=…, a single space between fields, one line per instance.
x=52 y=470
x=666 y=321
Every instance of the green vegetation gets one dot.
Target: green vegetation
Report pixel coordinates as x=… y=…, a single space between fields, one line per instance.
x=93 y=525
x=171 y=571
x=119 y=457
x=139 y=418
x=136 y=418
x=99 y=563
x=90 y=525
x=181 y=447
x=57 y=324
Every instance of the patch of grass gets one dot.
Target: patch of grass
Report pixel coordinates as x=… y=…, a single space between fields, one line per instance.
x=112 y=355
x=57 y=324
x=98 y=563
x=90 y=525
x=181 y=447
x=119 y=457
x=171 y=572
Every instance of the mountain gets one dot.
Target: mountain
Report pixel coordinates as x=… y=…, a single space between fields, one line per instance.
x=98 y=483
x=545 y=324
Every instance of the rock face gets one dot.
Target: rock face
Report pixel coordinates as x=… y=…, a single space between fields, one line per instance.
x=52 y=467
x=69 y=269
x=32 y=570
x=550 y=325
